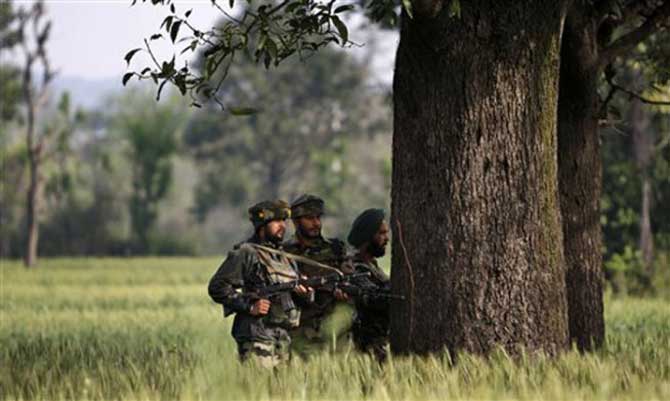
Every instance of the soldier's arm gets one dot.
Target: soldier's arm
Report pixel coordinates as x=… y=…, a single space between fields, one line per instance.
x=228 y=279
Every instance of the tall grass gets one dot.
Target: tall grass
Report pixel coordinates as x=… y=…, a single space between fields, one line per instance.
x=144 y=328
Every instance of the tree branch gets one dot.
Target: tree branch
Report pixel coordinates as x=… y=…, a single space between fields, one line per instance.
x=604 y=9
x=637 y=95
x=627 y=42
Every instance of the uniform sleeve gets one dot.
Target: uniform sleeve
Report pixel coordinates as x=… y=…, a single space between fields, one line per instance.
x=343 y=261
x=228 y=279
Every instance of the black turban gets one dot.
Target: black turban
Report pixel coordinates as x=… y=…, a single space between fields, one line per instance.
x=365 y=226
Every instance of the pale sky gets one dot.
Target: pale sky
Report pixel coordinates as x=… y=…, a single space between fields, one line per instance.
x=89 y=38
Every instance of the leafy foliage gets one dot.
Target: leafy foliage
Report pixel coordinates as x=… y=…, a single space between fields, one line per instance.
x=313 y=108
x=10 y=92
x=269 y=32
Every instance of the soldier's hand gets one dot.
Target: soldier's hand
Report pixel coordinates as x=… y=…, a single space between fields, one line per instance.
x=340 y=295
x=302 y=290
x=260 y=307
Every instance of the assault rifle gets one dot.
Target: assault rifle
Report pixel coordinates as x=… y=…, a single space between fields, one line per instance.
x=345 y=282
x=357 y=291
x=314 y=282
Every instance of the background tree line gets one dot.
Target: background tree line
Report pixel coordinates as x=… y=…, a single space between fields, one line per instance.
x=137 y=177
x=143 y=178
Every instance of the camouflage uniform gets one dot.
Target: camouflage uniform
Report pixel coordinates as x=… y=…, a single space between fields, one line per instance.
x=264 y=338
x=371 y=323
x=331 y=252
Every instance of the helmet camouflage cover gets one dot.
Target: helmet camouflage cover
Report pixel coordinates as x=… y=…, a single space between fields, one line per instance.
x=264 y=212
x=307 y=205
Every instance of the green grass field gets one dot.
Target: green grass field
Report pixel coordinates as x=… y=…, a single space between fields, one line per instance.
x=146 y=329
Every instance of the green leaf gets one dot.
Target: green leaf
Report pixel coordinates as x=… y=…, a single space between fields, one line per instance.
x=181 y=84
x=242 y=111
x=175 y=31
x=344 y=8
x=160 y=89
x=167 y=69
x=167 y=22
x=127 y=77
x=191 y=47
x=130 y=55
x=271 y=48
x=261 y=41
x=188 y=13
x=172 y=8
x=291 y=7
x=407 y=5
x=155 y=36
x=455 y=8
x=144 y=71
x=210 y=66
x=341 y=28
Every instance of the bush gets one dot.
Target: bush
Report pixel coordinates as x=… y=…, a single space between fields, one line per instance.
x=171 y=245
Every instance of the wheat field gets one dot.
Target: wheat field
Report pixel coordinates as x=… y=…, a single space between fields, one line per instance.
x=145 y=329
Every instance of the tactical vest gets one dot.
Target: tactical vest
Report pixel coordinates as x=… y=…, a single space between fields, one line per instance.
x=283 y=311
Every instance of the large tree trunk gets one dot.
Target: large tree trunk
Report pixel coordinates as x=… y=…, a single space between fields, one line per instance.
x=475 y=198
x=580 y=180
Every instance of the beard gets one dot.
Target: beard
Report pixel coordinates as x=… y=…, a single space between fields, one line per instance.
x=309 y=234
x=276 y=237
x=377 y=250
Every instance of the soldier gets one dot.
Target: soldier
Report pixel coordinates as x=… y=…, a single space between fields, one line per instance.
x=306 y=212
x=261 y=327
x=369 y=235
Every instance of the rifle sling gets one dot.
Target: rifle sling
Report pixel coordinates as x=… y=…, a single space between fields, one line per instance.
x=297 y=258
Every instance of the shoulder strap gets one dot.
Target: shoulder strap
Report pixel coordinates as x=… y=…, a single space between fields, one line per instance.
x=297 y=258
x=270 y=264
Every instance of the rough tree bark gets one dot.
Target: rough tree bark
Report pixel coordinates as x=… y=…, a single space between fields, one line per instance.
x=580 y=179
x=586 y=51
x=475 y=206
